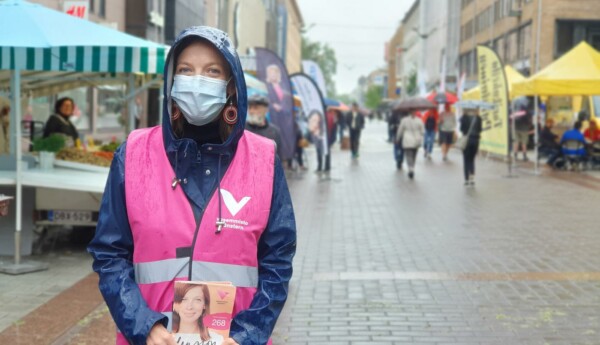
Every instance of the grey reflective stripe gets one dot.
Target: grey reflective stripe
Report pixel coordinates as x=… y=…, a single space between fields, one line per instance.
x=239 y=276
x=161 y=271
x=167 y=270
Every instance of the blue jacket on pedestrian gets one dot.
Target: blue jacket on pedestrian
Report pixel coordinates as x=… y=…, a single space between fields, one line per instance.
x=576 y=135
x=112 y=246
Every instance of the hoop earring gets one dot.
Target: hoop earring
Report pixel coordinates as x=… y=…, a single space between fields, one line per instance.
x=176 y=114
x=230 y=114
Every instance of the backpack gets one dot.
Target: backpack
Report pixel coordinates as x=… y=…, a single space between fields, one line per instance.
x=430 y=123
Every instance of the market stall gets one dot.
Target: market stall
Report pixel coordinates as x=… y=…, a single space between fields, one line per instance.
x=42 y=50
x=573 y=75
x=568 y=84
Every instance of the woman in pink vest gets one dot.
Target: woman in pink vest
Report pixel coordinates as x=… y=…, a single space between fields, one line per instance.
x=197 y=198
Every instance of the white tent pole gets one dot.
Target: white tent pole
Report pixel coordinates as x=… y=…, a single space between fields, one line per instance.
x=16 y=106
x=536 y=135
x=160 y=108
x=537 y=69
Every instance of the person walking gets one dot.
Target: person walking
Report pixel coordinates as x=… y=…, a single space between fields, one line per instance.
x=331 y=117
x=523 y=126
x=431 y=123
x=410 y=132
x=470 y=126
x=356 y=123
x=198 y=198
x=394 y=123
x=447 y=130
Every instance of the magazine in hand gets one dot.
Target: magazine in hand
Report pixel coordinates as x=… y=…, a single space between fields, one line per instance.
x=202 y=312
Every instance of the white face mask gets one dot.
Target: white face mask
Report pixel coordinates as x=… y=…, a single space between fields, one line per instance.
x=199 y=98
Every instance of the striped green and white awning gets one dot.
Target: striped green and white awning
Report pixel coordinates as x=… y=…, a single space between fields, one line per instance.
x=36 y=38
x=85 y=59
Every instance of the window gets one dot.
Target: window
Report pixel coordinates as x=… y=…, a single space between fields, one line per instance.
x=500 y=48
x=92 y=6
x=512 y=47
x=525 y=42
x=111 y=105
x=468 y=29
x=102 y=8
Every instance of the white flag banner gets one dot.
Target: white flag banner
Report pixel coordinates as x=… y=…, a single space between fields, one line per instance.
x=313 y=70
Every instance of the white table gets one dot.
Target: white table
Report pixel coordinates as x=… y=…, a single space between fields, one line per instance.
x=58 y=178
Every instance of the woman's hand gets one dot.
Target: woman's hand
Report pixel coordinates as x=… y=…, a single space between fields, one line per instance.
x=160 y=336
x=229 y=341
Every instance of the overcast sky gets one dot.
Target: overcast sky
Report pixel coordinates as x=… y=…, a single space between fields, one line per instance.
x=357 y=30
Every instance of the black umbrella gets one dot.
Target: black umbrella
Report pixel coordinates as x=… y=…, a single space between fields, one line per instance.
x=415 y=103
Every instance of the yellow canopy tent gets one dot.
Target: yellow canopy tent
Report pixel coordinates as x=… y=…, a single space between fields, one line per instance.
x=512 y=76
x=576 y=73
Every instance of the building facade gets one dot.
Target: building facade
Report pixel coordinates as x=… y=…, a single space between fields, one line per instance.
x=247 y=24
x=511 y=26
x=181 y=14
x=433 y=31
x=411 y=49
x=295 y=23
x=394 y=61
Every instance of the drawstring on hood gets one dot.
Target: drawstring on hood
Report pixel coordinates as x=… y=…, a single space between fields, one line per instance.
x=220 y=223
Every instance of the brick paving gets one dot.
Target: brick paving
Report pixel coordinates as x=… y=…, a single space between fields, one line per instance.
x=386 y=260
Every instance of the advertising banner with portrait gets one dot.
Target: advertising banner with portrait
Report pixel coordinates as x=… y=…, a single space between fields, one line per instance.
x=494 y=90
x=313 y=107
x=271 y=70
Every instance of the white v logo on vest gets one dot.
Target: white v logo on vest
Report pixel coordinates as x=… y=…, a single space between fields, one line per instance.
x=233 y=205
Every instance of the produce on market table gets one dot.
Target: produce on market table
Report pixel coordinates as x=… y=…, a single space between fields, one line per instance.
x=95 y=158
x=110 y=147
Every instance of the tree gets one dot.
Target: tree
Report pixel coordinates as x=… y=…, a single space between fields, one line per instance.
x=345 y=98
x=324 y=56
x=374 y=96
x=411 y=88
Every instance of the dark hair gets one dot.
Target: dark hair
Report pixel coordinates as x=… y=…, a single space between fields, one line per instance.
x=60 y=102
x=180 y=291
x=577 y=125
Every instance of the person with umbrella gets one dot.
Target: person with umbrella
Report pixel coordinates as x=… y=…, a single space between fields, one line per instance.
x=410 y=136
x=447 y=128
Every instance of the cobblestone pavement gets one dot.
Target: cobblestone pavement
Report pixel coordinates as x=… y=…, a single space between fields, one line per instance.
x=385 y=260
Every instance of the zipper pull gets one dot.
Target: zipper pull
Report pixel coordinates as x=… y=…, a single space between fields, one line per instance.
x=175 y=182
x=220 y=223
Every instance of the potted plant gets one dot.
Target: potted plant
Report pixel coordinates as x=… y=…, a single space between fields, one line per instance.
x=47 y=148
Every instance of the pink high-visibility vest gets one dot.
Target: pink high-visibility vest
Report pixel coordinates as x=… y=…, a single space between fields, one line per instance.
x=162 y=220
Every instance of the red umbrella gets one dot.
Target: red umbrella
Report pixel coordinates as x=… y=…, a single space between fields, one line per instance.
x=445 y=97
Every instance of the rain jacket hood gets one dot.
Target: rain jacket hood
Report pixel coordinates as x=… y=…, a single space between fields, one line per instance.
x=221 y=41
x=199 y=169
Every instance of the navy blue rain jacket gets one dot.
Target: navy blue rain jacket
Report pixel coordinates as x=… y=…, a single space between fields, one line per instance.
x=112 y=246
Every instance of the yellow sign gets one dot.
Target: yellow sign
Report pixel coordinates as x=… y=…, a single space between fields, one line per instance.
x=494 y=90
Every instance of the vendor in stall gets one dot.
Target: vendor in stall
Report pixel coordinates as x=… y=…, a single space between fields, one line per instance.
x=60 y=122
x=4 y=126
